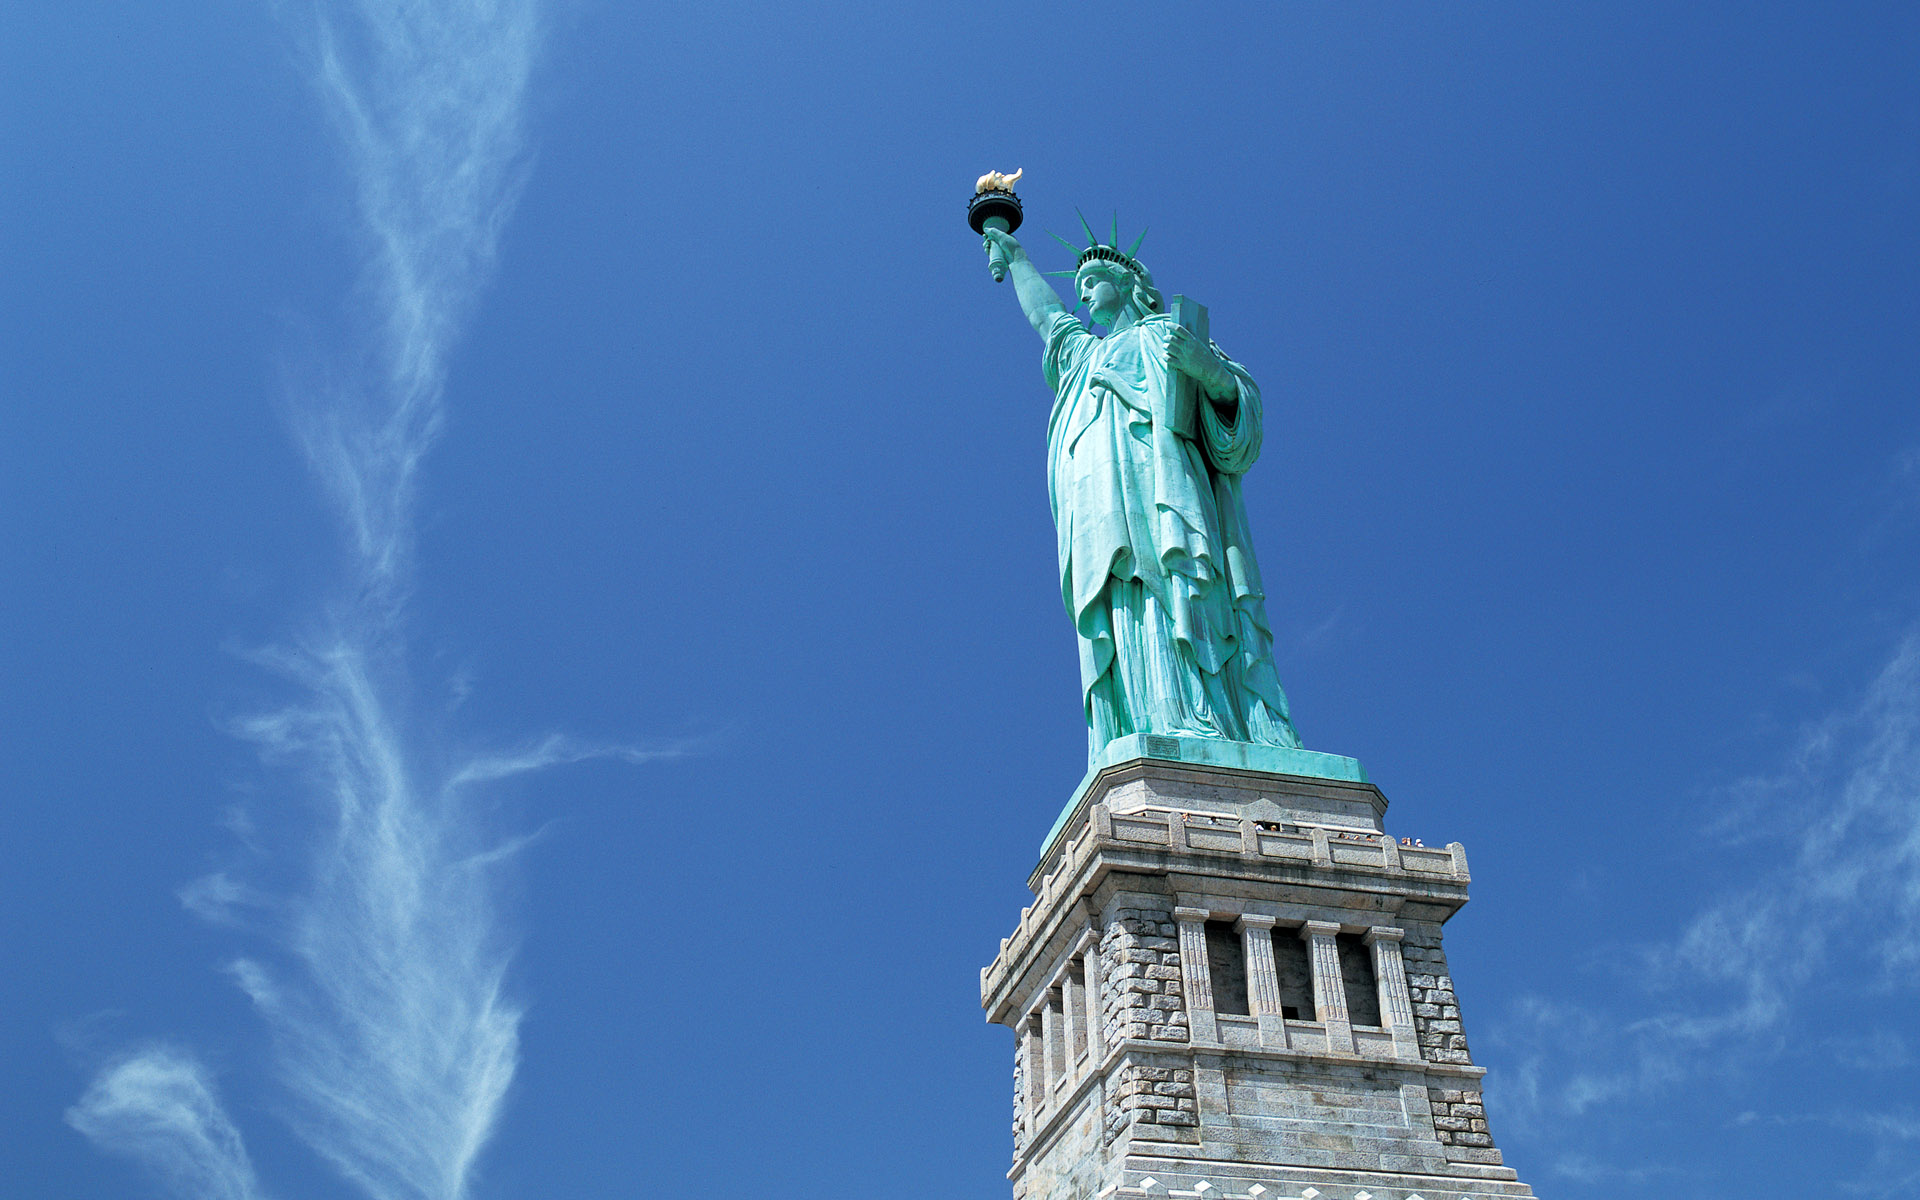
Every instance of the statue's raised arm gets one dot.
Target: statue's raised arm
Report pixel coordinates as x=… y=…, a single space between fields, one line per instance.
x=1037 y=297
x=1156 y=566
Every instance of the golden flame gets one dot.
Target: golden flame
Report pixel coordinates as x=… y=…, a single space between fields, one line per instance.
x=994 y=181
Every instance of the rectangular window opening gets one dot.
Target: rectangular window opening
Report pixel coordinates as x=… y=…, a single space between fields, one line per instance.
x=1036 y=1064
x=1227 y=963
x=1295 y=974
x=1077 y=1008
x=1357 y=979
x=1056 y=1035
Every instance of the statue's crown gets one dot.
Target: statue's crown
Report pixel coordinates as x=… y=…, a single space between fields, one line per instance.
x=1108 y=251
x=1112 y=254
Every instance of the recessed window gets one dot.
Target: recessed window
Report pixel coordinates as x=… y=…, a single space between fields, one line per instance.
x=1227 y=963
x=1077 y=1007
x=1357 y=979
x=1295 y=975
x=1056 y=1025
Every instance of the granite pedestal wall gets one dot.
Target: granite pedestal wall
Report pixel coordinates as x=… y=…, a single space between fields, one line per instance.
x=1231 y=984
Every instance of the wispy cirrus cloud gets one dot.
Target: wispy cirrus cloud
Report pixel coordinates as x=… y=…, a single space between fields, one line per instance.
x=158 y=1105
x=428 y=100
x=383 y=977
x=1823 y=924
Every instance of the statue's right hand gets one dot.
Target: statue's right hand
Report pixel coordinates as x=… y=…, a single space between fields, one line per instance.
x=1009 y=245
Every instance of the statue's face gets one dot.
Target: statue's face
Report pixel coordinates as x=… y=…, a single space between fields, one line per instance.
x=1104 y=293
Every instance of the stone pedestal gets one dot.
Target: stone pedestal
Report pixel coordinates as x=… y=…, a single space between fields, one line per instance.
x=1230 y=986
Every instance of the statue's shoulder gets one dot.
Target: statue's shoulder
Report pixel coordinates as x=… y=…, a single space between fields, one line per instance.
x=1157 y=324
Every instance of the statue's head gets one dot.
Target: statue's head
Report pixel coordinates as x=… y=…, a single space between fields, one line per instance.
x=1112 y=283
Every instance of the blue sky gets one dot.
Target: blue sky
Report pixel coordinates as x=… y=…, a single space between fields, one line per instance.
x=706 y=650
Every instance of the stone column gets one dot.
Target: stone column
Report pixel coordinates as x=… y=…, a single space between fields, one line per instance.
x=1263 y=979
x=1053 y=1030
x=1390 y=974
x=1073 y=992
x=1034 y=1071
x=1096 y=1012
x=1195 y=976
x=1329 y=993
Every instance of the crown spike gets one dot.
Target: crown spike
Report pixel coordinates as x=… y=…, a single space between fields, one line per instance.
x=1093 y=239
x=1064 y=242
x=1113 y=239
x=1135 y=248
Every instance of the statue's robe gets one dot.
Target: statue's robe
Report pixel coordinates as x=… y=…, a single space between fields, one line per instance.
x=1156 y=566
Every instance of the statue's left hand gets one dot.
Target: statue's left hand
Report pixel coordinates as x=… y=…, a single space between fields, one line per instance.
x=1195 y=359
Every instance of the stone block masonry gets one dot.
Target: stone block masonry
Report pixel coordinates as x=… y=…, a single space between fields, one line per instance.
x=1460 y=1123
x=1140 y=967
x=1232 y=980
x=1436 y=1011
x=1156 y=1091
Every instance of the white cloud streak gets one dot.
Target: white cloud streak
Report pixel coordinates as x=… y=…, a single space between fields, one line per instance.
x=158 y=1105
x=385 y=988
x=1813 y=953
x=428 y=99
x=392 y=1026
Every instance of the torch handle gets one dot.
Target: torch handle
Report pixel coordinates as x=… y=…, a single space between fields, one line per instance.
x=996 y=257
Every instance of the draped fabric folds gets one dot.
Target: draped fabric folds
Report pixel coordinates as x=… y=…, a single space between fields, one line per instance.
x=1156 y=565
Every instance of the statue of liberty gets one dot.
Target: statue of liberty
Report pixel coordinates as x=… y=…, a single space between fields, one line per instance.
x=1143 y=469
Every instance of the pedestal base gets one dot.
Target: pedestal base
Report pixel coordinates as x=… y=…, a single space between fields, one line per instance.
x=1231 y=984
x=1207 y=752
x=1180 y=1179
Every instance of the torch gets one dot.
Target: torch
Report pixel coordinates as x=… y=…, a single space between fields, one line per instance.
x=994 y=206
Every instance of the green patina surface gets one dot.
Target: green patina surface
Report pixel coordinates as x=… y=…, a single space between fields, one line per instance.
x=1151 y=429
